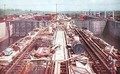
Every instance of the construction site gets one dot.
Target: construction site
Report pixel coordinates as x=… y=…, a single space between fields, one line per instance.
x=85 y=42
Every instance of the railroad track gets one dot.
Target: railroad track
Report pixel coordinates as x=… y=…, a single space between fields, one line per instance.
x=64 y=68
x=17 y=64
x=100 y=63
x=20 y=62
x=103 y=48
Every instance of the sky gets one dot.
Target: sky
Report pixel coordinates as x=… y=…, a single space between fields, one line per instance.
x=61 y=5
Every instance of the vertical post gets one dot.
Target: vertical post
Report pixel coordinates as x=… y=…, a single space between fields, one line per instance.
x=95 y=13
x=89 y=12
x=99 y=13
x=19 y=28
x=89 y=25
x=113 y=15
x=105 y=15
x=8 y=29
x=13 y=31
x=85 y=13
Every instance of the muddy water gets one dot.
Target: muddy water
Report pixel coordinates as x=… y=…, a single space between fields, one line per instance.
x=4 y=44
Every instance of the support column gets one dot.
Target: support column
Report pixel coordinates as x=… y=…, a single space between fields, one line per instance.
x=13 y=31
x=19 y=28
x=113 y=15
x=8 y=30
x=15 y=28
x=105 y=15
x=99 y=14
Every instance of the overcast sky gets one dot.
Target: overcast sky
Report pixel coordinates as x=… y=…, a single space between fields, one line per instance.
x=62 y=5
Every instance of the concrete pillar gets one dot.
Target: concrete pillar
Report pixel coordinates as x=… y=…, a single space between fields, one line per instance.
x=94 y=13
x=15 y=29
x=89 y=12
x=105 y=15
x=8 y=30
x=85 y=13
x=113 y=15
x=12 y=28
x=19 y=28
x=99 y=13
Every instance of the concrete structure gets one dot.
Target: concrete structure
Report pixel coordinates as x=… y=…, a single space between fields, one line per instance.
x=95 y=26
x=4 y=31
x=61 y=52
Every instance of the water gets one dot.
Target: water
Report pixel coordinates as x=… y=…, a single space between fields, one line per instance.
x=6 y=43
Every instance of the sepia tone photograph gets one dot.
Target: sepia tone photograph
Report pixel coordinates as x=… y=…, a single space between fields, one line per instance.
x=59 y=36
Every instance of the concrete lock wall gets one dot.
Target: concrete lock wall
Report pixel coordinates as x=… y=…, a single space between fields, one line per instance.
x=4 y=31
x=117 y=28
x=114 y=28
x=98 y=27
x=21 y=28
x=95 y=26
